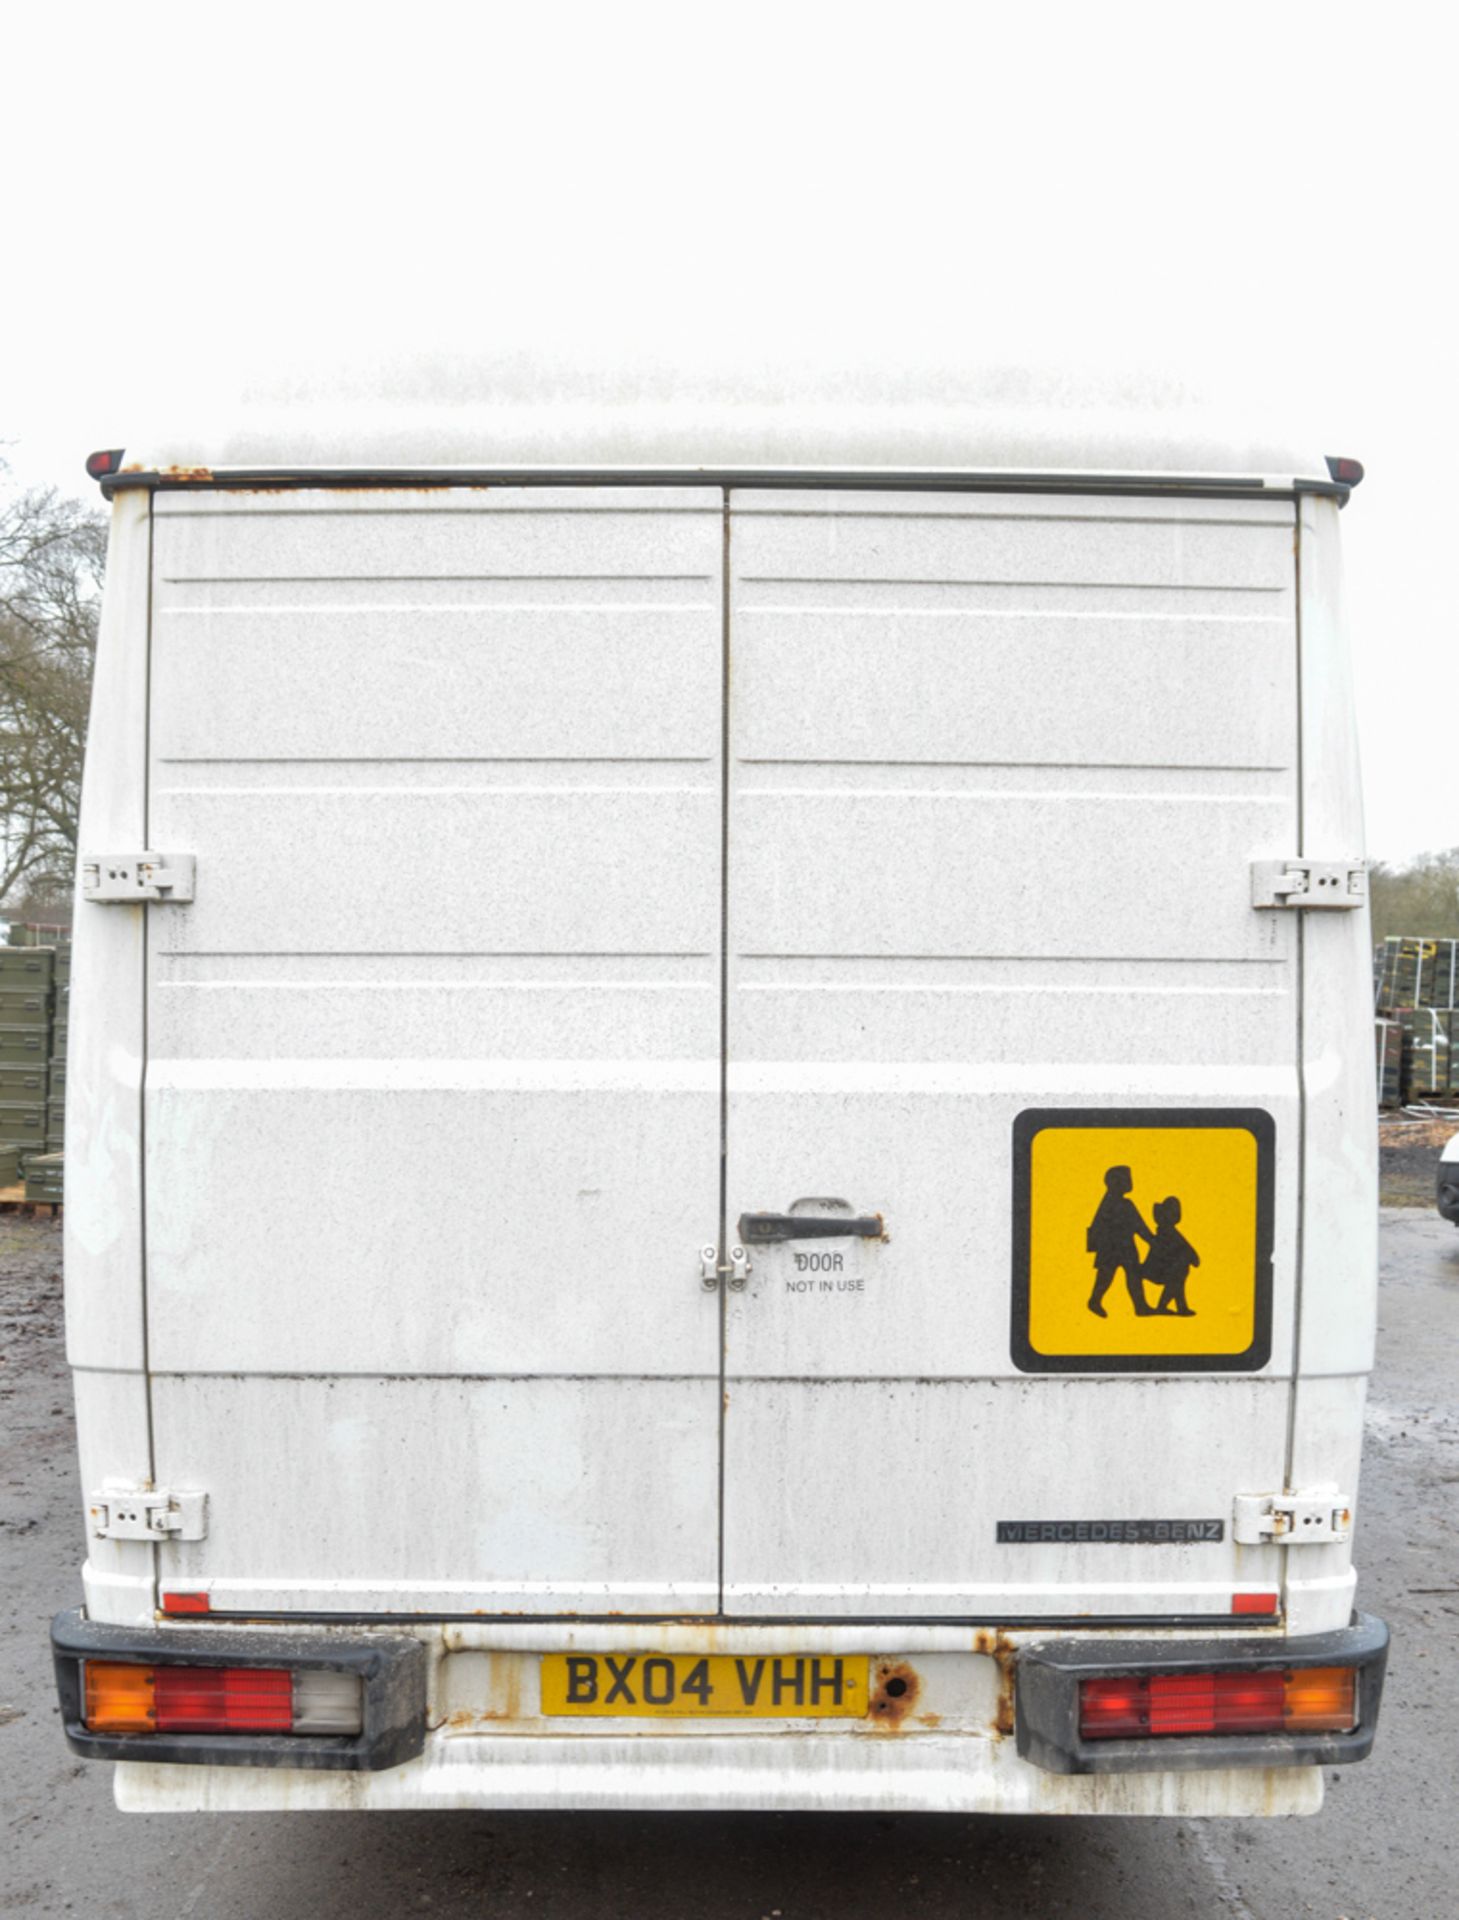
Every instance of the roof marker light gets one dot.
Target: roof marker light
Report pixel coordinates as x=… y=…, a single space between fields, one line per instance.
x=1345 y=471
x=100 y=465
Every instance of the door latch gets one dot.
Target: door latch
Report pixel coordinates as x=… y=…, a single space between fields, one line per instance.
x=737 y=1269
x=1329 y=884
x=1316 y=1519
x=124 y=879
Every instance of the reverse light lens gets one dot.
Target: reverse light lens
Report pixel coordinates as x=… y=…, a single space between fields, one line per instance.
x=124 y=1697
x=1297 y=1700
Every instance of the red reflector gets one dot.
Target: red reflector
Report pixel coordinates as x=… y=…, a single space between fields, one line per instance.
x=1114 y=1709
x=1253 y=1603
x=224 y=1700
x=1250 y=1702
x=186 y=1603
x=100 y=464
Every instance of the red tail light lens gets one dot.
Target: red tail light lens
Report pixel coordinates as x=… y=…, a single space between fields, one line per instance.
x=125 y=1696
x=1145 y=1705
x=225 y=1700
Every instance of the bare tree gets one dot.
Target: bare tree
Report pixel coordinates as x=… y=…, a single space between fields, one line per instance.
x=52 y=552
x=1420 y=898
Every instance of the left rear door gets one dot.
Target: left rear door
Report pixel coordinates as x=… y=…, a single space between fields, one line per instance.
x=432 y=1107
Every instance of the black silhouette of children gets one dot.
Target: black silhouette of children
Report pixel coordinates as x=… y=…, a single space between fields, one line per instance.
x=1111 y=1239
x=1170 y=1259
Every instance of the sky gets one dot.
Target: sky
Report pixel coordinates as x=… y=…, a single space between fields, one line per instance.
x=1257 y=202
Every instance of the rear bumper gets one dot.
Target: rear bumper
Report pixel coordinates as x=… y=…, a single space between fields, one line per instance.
x=989 y=1732
x=1047 y=1701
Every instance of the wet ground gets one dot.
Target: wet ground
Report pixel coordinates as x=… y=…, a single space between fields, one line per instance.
x=1386 y=1847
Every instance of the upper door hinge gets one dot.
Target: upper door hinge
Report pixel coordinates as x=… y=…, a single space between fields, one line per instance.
x=1315 y=1519
x=122 y=879
x=1309 y=883
x=145 y=1513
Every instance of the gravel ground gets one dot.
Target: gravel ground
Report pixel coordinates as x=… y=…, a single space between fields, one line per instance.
x=1408 y=1158
x=1385 y=1847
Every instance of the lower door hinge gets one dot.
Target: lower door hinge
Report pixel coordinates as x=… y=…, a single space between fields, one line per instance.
x=1315 y=1519
x=147 y=1513
x=123 y=879
x=1300 y=882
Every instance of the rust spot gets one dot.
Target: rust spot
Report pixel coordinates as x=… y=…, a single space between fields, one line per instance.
x=995 y=1644
x=896 y=1687
x=203 y=475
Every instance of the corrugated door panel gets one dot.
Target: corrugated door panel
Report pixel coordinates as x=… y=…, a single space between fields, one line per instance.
x=432 y=1109
x=999 y=767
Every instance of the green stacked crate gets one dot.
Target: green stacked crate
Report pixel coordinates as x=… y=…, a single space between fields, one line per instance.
x=45 y=1178
x=9 y=1166
x=1384 y=958
x=1427 y=1051
x=60 y=1038
x=25 y=1021
x=23 y=1046
x=1439 y=986
x=1388 y=1038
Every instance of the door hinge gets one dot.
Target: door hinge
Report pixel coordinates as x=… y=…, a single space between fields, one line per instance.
x=122 y=879
x=1315 y=1519
x=1330 y=884
x=147 y=1513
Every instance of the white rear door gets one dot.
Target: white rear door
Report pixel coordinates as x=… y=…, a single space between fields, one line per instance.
x=998 y=769
x=432 y=1113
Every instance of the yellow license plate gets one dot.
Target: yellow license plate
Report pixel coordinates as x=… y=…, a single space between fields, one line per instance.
x=748 y=1686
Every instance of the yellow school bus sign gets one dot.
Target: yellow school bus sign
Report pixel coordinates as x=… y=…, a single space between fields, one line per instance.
x=1142 y=1240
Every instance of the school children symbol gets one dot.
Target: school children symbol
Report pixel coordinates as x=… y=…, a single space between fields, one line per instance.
x=1142 y=1240
x=1168 y=1259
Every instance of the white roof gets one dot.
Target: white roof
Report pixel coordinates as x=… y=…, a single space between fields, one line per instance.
x=539 y=412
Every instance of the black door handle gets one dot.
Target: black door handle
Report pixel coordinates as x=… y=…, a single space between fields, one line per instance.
x=762 y=1229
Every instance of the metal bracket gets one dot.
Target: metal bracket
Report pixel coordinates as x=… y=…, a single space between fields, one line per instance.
x=145 y=1513
x=1330 y=884
x=710 y=1269
x=1316 y=1519
x=123 y=879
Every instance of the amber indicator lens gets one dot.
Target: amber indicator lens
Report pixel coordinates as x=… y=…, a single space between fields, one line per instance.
x=1321 y=1700
x=120 y=1698
x=1294 y=1700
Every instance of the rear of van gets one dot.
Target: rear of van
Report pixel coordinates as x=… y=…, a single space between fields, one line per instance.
x=721 y=1146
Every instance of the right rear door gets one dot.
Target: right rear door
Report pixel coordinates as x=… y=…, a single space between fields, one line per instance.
x=998 y=767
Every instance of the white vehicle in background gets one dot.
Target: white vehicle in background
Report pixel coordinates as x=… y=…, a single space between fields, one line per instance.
x=1448 y=1182
x=721 y=1148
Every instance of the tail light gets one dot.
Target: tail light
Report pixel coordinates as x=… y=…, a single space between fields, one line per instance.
x=1280 y=1700
x=129 y=1697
